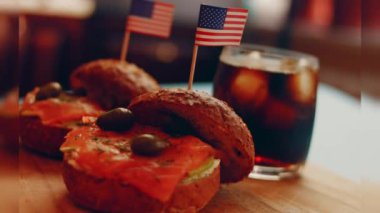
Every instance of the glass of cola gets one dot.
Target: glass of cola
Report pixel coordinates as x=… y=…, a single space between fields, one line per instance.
x=274 y=91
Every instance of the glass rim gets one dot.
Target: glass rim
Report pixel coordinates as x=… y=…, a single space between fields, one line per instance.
x=274 y=52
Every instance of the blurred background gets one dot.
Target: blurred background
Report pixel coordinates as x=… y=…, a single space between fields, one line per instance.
x=44 y=40
x=58 y=35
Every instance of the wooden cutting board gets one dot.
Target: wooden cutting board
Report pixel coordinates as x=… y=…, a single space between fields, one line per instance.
x=318 y=190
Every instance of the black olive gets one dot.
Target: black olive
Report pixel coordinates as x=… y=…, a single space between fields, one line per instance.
x=50 y=90
x=119 y=119
x=148 y=145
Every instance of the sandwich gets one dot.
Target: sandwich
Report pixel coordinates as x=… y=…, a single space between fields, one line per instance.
x=169 y=151
x=48 y=112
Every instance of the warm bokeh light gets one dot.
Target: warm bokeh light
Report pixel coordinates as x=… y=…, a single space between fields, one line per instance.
x=269 y=14
x=62 y=8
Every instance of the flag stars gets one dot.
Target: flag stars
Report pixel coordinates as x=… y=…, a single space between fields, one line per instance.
x=212 y=17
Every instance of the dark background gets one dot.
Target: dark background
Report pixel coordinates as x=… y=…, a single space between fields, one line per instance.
x=50 y=46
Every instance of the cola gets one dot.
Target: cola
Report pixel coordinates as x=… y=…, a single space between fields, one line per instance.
x=276 y=98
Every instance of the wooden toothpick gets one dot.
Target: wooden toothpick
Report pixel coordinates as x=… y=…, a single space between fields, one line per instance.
x=192 y=69
x=124 y=48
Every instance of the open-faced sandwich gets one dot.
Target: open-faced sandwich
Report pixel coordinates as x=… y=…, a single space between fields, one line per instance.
x=168 y=152
x=48 y=113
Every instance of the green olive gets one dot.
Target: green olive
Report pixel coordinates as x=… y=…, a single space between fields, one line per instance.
x=148 y=145
x=50 y=90
x=119 y=119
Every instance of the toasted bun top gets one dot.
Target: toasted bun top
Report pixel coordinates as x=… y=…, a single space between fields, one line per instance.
x=211 y=119
x=112 y=83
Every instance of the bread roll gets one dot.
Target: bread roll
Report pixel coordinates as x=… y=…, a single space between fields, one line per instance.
x=210 y=118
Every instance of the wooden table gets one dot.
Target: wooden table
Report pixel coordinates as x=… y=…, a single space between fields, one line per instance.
x=318 y=190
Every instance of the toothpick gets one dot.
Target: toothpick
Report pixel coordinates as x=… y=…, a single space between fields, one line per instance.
x=124 y=49
x=192 y=69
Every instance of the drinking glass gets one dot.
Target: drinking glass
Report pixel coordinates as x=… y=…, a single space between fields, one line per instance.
x=274 y=91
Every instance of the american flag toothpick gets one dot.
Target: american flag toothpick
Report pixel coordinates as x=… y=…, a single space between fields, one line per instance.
x=151 y=18
x=218 y=26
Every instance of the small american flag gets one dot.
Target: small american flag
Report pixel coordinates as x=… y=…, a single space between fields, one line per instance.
x=151 y=18
x=218 y=26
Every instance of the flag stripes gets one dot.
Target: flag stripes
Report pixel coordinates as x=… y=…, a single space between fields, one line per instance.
x=231 y=30
x=157 y=23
